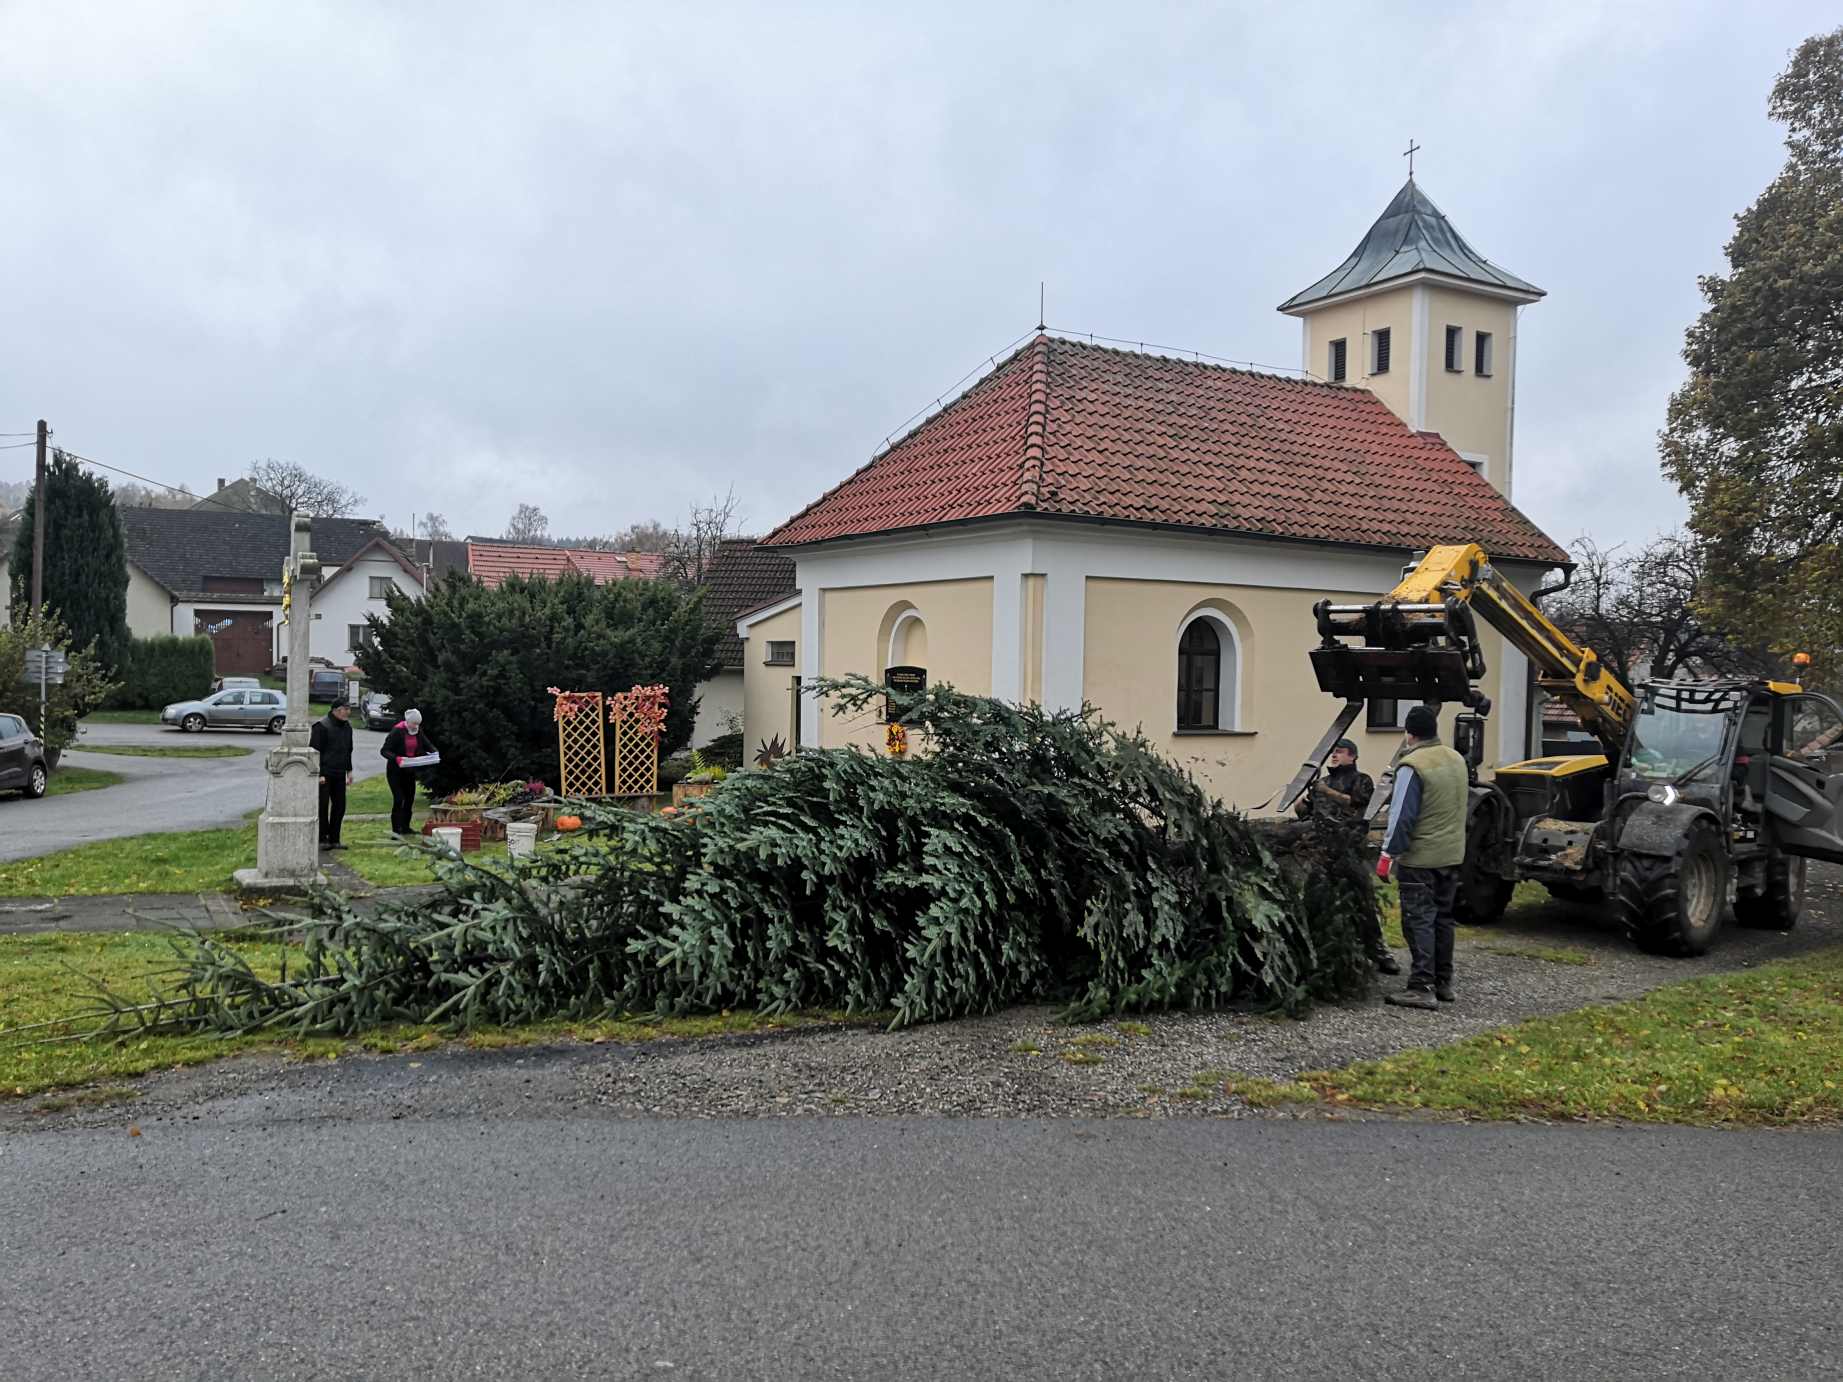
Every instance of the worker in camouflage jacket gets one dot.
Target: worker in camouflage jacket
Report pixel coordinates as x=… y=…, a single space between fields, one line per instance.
x=1343 y=795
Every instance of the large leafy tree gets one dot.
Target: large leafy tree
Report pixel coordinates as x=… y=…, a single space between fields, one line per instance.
x=477 y=662
x=1755 y=437
x=86 y=559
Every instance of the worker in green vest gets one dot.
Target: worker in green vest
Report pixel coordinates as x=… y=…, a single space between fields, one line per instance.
x=1424 y=847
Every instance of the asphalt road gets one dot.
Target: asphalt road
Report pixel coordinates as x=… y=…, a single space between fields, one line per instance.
x=597 y=1247
x=160 y=794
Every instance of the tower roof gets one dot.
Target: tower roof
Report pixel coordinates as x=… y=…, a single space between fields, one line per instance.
x=1411 y=236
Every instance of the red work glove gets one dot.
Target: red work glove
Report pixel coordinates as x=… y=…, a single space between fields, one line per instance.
x=1383 y=864
x=399 y=760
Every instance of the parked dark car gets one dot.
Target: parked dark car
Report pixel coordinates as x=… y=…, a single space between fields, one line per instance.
x=378 y=714
x=24 y=766
x=325 y=684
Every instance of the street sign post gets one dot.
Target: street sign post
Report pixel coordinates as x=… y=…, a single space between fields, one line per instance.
x=47 y=667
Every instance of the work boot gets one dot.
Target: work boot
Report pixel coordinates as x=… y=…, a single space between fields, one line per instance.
x=1385 y=962
x=1412 y=997
x=1444 y=992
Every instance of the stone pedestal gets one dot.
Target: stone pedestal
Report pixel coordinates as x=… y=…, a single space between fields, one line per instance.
x=288 y=835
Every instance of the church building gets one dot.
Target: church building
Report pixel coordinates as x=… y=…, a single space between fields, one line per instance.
x=1148 y=533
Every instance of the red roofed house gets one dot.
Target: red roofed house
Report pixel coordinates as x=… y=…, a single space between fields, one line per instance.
x=1149 y=533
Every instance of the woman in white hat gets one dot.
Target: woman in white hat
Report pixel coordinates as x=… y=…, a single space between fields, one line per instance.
x=406 y=741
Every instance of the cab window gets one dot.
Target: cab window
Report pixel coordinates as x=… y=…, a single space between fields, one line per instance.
x=1814 y=727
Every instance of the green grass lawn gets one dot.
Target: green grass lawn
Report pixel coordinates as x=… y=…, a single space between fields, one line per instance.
x=169 y=750
x=203 y=860
x=122 y=717
x=67 y=780
x=1764 y=1046
x=44 y=979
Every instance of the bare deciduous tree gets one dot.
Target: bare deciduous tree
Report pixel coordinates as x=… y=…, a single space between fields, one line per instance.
x=650 y=536
x=1641 y=612
x=303 y=491
x=692 y=549
x=529 y=526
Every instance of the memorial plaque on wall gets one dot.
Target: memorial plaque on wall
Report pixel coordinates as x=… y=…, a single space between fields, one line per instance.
x=911 y=680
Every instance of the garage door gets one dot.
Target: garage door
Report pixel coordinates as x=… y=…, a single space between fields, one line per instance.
x=239 y=640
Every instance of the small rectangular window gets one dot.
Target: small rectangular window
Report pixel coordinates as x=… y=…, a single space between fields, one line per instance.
x=1379 y=351
x=1455 y=349
x=1339 y=368
x=1384 y=714
x=780 y=654
x=381 y=587
x=1481 y=353
x=358 y=636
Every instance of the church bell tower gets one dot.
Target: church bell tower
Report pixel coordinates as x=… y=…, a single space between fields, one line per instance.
x=1429 y=325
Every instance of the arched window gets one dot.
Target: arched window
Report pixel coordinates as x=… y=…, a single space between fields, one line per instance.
x=1199 y=676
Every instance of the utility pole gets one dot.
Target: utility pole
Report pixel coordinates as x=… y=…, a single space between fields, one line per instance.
x=38 y=524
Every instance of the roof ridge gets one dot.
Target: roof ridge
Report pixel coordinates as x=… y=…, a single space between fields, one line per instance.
x=1036 y=419
x=1303 y=377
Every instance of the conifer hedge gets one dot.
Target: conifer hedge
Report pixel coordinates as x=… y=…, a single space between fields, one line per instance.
x=1023 y=855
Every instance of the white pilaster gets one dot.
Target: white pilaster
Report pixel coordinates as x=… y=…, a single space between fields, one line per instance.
x=1418 y=346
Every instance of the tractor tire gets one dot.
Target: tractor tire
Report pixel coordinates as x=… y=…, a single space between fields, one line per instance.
x=1674 y=906
x=1483 y=893
x=1779 y=905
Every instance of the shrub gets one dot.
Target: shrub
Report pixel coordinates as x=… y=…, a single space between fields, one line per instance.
x=165 y=668
x=476 y=662
x=1030 y=855
x=85 y=686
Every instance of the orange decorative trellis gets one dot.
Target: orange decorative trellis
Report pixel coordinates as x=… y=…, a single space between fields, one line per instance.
x=639 y=719
x=581 y=749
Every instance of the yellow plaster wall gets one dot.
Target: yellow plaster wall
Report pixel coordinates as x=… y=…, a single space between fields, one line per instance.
x=858 y=621
x=767 y=699
x=1129 y=670
x=1471 y=413
x=1353 y=321
x=150 y=608
x=1031 y=642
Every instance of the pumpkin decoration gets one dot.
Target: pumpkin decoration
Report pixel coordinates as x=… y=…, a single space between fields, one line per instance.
x=569 y=824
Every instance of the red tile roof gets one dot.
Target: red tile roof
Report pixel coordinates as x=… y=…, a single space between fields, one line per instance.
x=493 y=562
x=601 y=567
x=1067 y=429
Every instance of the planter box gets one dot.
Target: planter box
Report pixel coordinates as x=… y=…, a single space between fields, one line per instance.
x=683 y=792
x=490 y=829
x=470 y=830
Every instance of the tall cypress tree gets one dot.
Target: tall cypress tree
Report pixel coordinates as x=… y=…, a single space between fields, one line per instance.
x=86 y=560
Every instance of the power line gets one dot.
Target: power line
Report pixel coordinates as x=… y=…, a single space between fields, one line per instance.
x=157 y=484
x=16 y=445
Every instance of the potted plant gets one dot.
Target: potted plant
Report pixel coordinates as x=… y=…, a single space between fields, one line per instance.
x=701 y=781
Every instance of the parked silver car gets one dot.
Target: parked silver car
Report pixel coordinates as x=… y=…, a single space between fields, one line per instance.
x=235 y=709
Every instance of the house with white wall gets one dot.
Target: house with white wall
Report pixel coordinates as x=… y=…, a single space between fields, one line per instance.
x=219 y=573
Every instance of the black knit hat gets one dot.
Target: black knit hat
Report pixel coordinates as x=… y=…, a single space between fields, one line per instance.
x=1345 y=744
x=1422 y=723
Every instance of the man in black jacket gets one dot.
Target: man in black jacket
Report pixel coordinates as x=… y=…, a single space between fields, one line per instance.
x=1344 y=794
x=332 y=736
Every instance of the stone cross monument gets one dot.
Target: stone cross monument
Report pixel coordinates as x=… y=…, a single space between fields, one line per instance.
x=288 y=835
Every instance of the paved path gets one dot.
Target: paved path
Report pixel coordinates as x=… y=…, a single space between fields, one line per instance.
x=251 y=1244
x=161 y=794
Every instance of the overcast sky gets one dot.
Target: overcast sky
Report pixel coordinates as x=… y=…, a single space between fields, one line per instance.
x=612 y=259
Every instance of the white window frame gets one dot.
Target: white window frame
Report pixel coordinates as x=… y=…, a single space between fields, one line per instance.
x=1228 y=679
x=1455 y=349
x=1376 y=338
x=1482 y=353
x=377 y=594
x=770 y=644
x=1331 y=354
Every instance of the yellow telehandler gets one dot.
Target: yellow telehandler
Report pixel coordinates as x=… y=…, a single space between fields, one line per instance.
x=1709 y=797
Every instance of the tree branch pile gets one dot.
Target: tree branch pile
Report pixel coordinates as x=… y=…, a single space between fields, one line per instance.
x=1026 y=855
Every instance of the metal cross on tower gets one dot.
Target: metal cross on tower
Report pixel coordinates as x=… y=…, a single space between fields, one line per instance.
x=1409 y=153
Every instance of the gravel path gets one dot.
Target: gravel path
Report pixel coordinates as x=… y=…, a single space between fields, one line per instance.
x=1021 y=1062
x=1024 y=1062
